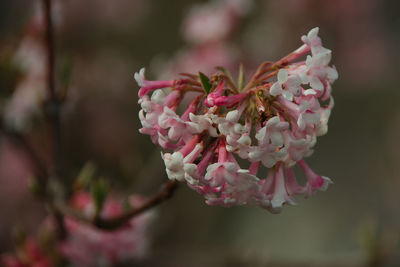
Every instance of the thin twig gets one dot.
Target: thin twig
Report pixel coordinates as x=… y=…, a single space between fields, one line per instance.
x=114 y=223
x=52 y=110
x=49 y=42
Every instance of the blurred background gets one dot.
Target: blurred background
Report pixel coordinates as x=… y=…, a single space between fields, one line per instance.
x=355 y=223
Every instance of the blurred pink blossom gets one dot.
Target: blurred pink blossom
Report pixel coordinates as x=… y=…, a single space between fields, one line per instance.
x=16 y=201
x=214 y=21
x=28 y=254
x=30 y=58
x=209 y=28
x=202 y=58
x=88 y=246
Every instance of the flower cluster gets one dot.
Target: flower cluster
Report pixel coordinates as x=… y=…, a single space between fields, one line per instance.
x=212 y=125
x=89 y=246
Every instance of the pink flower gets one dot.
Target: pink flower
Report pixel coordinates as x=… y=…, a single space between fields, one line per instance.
x=270 y=147
x=219 y=18
x=29 y=253
x=318 y=74
x=275 y=191
x=315 y=181
x=218 y=99
x=148 y=86
x=273 y=122
x=88 y=246
x=211 y=47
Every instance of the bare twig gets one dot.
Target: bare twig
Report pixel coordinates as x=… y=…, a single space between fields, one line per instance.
x=114 y=223
x=52 y=110
x=49 y=42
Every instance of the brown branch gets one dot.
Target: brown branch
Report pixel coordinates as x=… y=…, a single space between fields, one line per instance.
x=165 y=193
x=52 y=111
x=111 y=224
x=49 y=43
x=52 y=107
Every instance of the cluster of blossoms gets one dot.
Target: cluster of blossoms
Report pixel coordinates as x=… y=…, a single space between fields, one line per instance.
x=89 y=246
x=211 y=124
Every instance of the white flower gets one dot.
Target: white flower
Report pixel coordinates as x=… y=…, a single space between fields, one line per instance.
x=221 y=172
x=200 y=123
x=287 y=85
x=174 y=165
x=139 y=77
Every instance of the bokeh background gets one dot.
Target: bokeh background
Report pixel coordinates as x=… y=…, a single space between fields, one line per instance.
x=355 y=223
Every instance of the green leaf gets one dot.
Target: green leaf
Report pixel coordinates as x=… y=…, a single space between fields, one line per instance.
x=241 y=77
x=205 y=82
x=99 y=194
